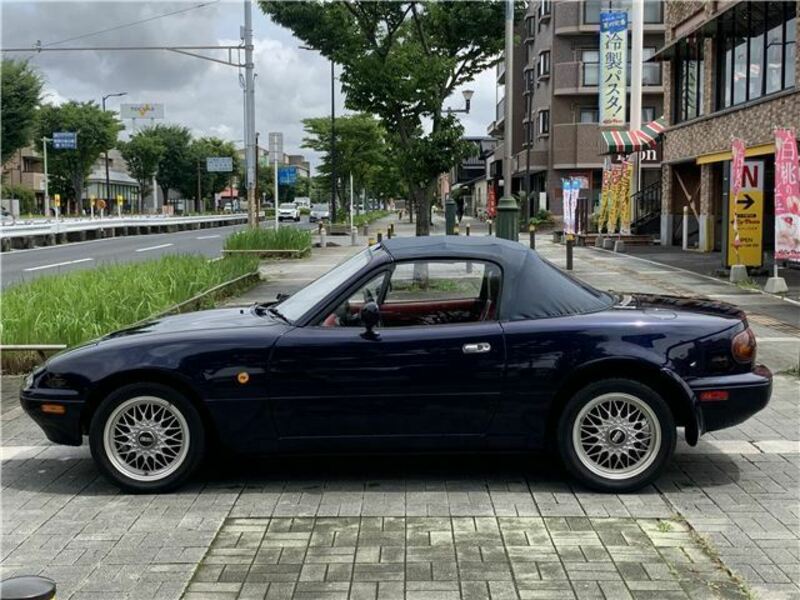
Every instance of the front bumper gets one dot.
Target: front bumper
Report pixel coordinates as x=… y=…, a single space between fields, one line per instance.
x=59 y=428
x=747 y=393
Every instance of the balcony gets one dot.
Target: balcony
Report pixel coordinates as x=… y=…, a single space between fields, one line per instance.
x=501 y=72
x=576 y=145
x=573 y=18
x=578 y=77
x=538 y=161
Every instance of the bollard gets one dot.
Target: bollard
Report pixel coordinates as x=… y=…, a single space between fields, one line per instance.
x=353 y=236
x=467 y=230
x=490 y=226
x=380 y=236
x=391 y=227
x=456 y=230
x=570 y=244
x=598 y=241
x=532 y=231
x=389 y=232
x=685 y=225
x=323 y=238
x=28 y=587
x=371 y=241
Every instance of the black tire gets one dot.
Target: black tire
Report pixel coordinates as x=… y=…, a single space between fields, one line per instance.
x=655 y=460
x=189 y=459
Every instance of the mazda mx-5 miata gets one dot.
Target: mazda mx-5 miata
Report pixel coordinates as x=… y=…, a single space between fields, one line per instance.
x=414 y=344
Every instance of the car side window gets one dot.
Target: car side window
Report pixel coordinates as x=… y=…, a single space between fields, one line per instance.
x=437 y=292
x=346 y=314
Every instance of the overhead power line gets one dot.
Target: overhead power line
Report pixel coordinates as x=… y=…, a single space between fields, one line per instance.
x=125 y=25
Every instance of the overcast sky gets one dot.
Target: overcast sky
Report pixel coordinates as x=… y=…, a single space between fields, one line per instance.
x=291 y=83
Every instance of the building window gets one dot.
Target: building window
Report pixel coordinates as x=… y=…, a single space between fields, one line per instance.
x=651 y=72
x=648 y=114
x=756 y=45
x=531 y=26
x=544 y=63
x=590 y=67
x=653 y=10
x=545 y=8
x=589 y=114
x=544 y=122
x=688 y=79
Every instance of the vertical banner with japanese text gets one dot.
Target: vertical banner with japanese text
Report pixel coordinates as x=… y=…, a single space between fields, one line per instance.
x=787 y=196
x=737 y=171
x=613 y=198
x=566 y=201
x=603 y=213
x=613 y=67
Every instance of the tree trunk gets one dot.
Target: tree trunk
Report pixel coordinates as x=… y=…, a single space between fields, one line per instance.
x=423 y=206
x=165 y=193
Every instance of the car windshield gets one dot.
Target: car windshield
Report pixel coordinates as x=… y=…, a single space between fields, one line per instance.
x=307 y=298
x=287 y=206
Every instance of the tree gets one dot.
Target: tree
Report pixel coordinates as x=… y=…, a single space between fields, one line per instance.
x=210 y=182
x=401 y=61
x=361 y=149
x=20 y=93
x=97 y=131
x=175 y=167
x=142 y=153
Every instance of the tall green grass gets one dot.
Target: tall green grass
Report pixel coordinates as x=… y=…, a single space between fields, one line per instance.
x=82 y=305
x=285 y=238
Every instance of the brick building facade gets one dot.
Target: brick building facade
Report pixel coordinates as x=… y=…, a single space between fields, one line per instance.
x=731 y=69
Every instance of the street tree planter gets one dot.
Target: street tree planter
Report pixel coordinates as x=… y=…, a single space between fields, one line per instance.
x=269 y=253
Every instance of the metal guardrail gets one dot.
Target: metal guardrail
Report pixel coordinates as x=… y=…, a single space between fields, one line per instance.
x=51 y=226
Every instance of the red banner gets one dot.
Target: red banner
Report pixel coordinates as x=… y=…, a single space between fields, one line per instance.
x=491 y=202
x=787 y=196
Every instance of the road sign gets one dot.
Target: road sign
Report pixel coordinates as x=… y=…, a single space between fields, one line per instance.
x=219 y=164
x=65 y=140
x=748 y=209
x=56 y=199
x=287 y=175
x=120 y=199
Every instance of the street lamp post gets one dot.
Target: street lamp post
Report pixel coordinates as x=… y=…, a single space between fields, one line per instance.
x=108 y=180
x=450 y=203
x=333 y=136
x=507 y=209
x=467 y=98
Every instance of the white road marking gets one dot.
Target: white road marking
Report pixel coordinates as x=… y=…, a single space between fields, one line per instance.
x=60 y=264
x=207 y=237
x=154 y=247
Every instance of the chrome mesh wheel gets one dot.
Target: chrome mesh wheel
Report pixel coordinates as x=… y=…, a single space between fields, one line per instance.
x=616 y=436
x=146 y=438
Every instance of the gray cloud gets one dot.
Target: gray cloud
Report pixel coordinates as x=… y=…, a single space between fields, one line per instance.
x=291 y=83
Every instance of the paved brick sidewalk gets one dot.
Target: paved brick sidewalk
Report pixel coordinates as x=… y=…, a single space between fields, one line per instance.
x=474 y=526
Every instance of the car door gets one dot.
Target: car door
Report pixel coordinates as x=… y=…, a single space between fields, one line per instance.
x=435 y=369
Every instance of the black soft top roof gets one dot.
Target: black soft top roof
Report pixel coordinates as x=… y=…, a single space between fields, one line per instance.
x=532 y=287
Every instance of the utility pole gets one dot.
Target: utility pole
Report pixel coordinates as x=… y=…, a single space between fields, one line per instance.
x=333 y=143
x=637 y=43
x=257 y=194
x=277 y=221
x=199 y=195
x=250 y=115
x=46 y=178
x=507 y=209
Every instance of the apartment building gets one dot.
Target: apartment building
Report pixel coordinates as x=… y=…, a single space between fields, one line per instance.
x=557 y=96
x=732 y=69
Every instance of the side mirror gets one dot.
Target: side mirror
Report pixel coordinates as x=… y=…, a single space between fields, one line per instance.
x=370 y=316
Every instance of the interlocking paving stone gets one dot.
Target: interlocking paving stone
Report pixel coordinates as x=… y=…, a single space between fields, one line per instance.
x=475 y=557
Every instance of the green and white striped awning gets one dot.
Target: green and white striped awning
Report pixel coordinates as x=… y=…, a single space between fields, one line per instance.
x=625 y=142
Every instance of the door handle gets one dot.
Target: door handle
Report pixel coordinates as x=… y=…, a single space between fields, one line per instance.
x=479 y=348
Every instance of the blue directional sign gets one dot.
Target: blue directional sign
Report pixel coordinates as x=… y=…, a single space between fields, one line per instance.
x=65 y=140
x=287 y=175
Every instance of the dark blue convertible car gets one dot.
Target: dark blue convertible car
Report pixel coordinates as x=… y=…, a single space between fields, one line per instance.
x=424 y=344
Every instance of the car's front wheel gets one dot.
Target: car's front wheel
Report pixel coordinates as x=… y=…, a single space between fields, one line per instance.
x=147 y=438
x=616 y=435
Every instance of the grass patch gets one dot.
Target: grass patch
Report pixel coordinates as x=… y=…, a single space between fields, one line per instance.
x=363 y=218
x=76 y=307
x=285 y=238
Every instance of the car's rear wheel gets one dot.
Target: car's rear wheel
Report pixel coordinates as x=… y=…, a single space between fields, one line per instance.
x=616 y=435
x=147 y=438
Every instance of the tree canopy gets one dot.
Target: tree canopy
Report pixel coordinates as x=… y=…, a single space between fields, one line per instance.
x=210 y=182
x=20 y=93
x=401 y=61
x=175 y=163
x=97 y=131
x=142 y=153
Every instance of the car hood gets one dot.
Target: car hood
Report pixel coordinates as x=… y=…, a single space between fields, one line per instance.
x=221 y=318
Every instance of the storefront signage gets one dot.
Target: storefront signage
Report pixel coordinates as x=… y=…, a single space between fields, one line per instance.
x=746 y=217
x=787 y=196
x=613 y=64
x=491 y=202
x=145 y=110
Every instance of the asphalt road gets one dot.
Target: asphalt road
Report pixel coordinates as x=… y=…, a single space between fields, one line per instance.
x=24 y=265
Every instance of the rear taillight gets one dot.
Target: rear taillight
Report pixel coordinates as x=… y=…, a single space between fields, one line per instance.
x=743 y=346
